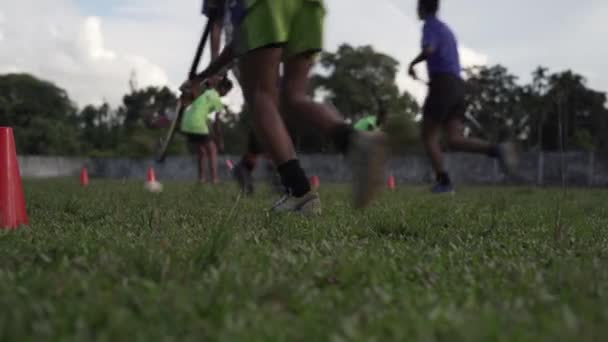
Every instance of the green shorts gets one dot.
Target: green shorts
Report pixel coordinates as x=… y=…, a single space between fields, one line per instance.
x=297 y=25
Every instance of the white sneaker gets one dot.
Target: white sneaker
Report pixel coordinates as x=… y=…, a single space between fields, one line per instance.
x=309 y=205
x=508 y=157
x=368 y=158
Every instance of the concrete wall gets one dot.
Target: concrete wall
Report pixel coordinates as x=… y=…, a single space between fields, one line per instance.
x=573 y=168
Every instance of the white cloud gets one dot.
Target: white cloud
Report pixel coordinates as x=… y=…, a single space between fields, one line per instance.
x=1 y=29
x=93 y=54
x=69 y=49
x=471 y=57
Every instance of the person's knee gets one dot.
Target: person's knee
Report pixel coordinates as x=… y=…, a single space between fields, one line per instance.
x=260 y=99
x=212 y=149
x=454 y=138
x=291 y=100
x=207 y=148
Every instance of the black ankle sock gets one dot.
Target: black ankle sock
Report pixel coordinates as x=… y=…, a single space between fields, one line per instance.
x=494 y=151
x=249 y=162
x=443 y=178
x=341 y=137
x=294 y=178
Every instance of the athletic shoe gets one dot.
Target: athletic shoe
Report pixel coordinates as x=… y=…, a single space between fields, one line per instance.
x=507 y=156
x=440 y=189
x=243 y=178
x=309 y=204
x=368 y=156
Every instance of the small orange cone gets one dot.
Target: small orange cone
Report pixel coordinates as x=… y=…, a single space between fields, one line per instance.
x=314 y=182
x=229 y=164
x=151 y=175
x=12 y=203
x=84 y=177
x=391 y=183
x=152 y=184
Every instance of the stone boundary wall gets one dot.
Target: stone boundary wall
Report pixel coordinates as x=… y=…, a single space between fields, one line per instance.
x=551 y=169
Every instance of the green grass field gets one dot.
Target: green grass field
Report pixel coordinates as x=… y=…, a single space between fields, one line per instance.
x=114 y=263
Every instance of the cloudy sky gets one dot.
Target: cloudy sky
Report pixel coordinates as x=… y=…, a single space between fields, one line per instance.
x=90 y=47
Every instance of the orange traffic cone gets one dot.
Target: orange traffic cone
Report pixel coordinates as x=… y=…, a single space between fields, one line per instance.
x=151 y=175
x=152 y=184
x=391 y=183
x=229 y=164
x=314 y=182
x=12 y=203
x=84 y=177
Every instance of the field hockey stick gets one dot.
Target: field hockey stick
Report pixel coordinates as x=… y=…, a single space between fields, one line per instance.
x=164 y=145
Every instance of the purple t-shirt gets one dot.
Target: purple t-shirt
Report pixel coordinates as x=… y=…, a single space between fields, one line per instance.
x=445 y=59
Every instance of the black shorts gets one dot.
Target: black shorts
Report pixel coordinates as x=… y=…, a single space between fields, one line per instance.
x=445 y=100
x=196 y=140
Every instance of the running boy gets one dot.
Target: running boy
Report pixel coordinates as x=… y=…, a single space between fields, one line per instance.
x=445 y=107
x=272 y=32
x=195 y=126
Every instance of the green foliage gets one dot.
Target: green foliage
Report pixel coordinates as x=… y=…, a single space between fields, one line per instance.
x=142 y=106
x=584 y=140
x=113 y=263
x=42 y=115
x=493 y=98
x=356 y=79
x=554 y=111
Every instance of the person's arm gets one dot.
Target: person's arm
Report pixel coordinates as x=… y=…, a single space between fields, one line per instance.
x=219 y=64
x=423 y=56
x=429 y=42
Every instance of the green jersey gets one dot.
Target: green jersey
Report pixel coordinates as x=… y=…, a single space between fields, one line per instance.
x=367 y=123
x=196 y=116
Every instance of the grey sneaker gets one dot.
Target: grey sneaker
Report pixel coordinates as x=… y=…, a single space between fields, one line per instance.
x=368 y=157
x=508 y=157
x=309 y=205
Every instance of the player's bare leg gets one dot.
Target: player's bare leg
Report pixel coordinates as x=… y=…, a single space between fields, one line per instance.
x=366 y=149
x=431 y=133
x=201 y=156
x=211 y=151
x=259 y=71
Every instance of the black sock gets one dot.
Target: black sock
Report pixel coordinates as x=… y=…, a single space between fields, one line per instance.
x=294 y=178
x=494 y=152
x=443 y=178
x=341 y=137
x=249 y=162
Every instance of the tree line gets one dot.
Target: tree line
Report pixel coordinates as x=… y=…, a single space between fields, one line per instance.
x=554 y=111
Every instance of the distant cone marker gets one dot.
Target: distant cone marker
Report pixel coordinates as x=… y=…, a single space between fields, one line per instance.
x=229 y=164
x=152 y=184
x=151 y=175
x=12 y=202
x=315 y=183
x=391 y=183
x=84 y=177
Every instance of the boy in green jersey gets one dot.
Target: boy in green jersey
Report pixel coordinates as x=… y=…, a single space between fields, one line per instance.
x=195 y=124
